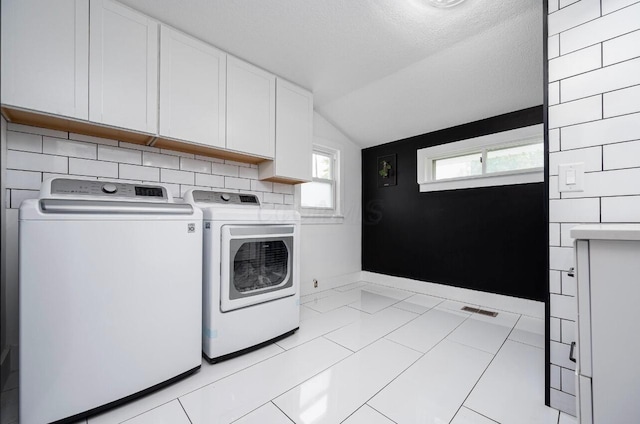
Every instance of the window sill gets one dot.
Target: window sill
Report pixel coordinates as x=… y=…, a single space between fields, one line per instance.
x=315 y=219
x=511 y=178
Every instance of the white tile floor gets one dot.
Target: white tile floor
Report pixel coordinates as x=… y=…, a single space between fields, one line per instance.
x=365 y=353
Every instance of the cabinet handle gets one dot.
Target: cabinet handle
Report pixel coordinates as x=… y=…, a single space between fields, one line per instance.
x=573 y=347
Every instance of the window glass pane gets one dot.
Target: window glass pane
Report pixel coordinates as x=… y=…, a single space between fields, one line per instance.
x=515 y=158
x=316 y=195
x=321 y=166
x=459 y=166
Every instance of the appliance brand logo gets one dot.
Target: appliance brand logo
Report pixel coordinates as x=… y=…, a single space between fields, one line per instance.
x=191 y=227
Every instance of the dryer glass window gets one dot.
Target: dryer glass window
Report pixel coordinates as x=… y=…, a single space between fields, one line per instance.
x=260 y=265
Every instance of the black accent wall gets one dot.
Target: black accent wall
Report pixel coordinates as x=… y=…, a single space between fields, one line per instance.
x=491 y=239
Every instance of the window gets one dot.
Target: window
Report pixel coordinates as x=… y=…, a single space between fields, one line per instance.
x=320 y=197
x=509 y=157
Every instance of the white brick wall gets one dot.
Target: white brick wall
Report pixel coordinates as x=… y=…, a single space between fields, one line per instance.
x=35 y=154
x=594 y=118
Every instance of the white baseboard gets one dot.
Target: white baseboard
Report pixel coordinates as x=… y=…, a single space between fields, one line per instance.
x=331 y=283
x=490 y=300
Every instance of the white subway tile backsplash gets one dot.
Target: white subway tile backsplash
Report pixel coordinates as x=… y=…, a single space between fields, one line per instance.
x=609 y=78
x=565 y=3
x=621 y=209
x=569 y=381
x=554 y=234
x=568 y=331
x=177 y=177
x=282 y=188
x=250 y=173
x=621 y=182
x=64 y=147
x=159 y=160
x=555 y=377
x=569 y=285
x=622 y=48
x=555 y=326
x=574 y=15
x=602 y=29
x=237 y=183
x=36 y=130
x=24 y=141
x=224 y=169
x=555 y=282
x=261 y=186
x=174 y=189
x=563 y=401
x=605 y=131
x=36 y=162
x=554 y=140
x=553 y=6
x=576 y=112
x=564 y=307
x=288 y=199
x=591 y=157
x=621 y=155
x=565 y=234
x=92 y=139
x=120 y=180
x=195 y=165
x=560 y=355
x=574 y=210
x=210 y=180
x=181 y=154
x=622 y=102
x=135 y=172
x=561 y=258
x=236 y=163
x=118 y=154
x=93 y=167
x=47 y=175
x=28 y=180
x=135 y=146
x=275 y=198
x=553 y=46
x=17 y=196
x=184 y=188
x=575 y=63
x=554 y=93
x=609 y=6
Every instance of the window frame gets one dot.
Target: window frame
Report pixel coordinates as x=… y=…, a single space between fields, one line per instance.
x=324 y=215
x=514 y=138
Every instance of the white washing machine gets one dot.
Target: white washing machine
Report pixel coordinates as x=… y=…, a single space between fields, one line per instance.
x=251 y=272
x=110 y=296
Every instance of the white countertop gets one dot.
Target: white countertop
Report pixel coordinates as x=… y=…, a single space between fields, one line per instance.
x=606 y=232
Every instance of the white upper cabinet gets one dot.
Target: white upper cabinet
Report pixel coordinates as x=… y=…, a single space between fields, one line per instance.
x=192 y=89
x=294 y=135
x=251 y=105
x=123 y=71
x=45 y=56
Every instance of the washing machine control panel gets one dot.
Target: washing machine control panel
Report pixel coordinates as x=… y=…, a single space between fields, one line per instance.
x=80 y=188
x=220 y=197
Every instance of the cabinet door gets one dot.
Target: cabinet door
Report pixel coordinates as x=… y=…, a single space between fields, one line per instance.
x=294 y=132
x=192 y=89
x=45 y=56
x=123 y=72
x=251 y=102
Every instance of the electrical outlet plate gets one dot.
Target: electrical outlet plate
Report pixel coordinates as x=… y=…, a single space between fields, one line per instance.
x=571 y=177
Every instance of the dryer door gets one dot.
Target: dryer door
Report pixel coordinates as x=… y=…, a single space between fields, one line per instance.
x=256 y=266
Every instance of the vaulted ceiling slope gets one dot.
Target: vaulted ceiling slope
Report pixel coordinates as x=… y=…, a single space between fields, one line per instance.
x=381 y=70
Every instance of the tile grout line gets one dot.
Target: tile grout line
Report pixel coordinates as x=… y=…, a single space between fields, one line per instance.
x=470 y=409
x=185 y=411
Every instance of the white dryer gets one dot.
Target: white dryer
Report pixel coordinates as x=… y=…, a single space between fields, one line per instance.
x=251 y=272
x=110 y=296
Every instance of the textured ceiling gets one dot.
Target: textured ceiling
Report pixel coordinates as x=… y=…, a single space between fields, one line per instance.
x=381 y=70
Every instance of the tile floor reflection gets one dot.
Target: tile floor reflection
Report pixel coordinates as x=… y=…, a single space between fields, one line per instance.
x=365 y=353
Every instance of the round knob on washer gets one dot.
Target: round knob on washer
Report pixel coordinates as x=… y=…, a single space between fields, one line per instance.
x=225 y=197
x=109 y=188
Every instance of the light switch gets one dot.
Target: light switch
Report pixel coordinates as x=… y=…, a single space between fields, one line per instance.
x=571 y=177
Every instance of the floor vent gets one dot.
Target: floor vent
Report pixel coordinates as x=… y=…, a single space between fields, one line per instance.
x=480 y=311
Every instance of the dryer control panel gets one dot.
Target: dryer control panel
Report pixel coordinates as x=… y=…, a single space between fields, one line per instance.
x=221 y=197
x=104 y=189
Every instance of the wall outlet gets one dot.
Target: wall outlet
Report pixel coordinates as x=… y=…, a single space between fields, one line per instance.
x=315 y=283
